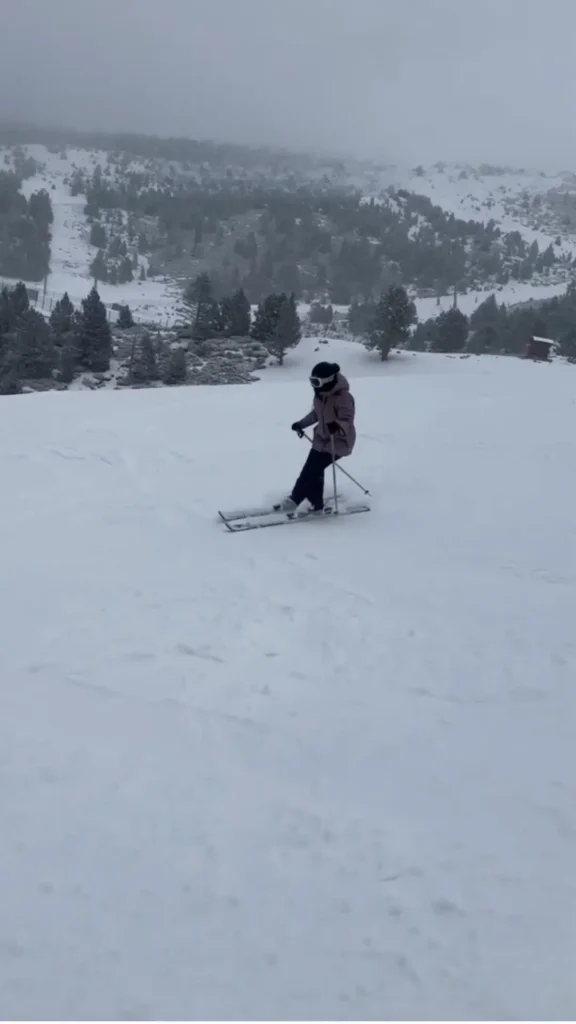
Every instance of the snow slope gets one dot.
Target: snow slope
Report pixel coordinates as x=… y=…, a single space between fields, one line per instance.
x=325 y=771
x=156 y=300
x=484 y=197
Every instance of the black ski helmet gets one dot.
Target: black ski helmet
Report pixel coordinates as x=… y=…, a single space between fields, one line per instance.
x=324 y=377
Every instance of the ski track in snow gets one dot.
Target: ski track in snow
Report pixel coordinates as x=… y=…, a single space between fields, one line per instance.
x=321 y=773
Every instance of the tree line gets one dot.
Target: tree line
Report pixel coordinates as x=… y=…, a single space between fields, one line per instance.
x=276 y=323
x=32 y=348
x=492 y=329
x=79 y=340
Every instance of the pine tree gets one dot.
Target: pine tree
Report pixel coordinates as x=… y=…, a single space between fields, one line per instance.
x=360 y=317
x=203 y=323
x=239 y=324
x=70 y=349
x=125 y=319
x=14 y=308
x=201 y=295
x=483 y=341
x=19 y=299
x=488 y=313
x=98 y=269
x=198 y=309
x=287 y=332
x=394 y=315
x=143 y=365
x=95 y=335
x=422 y=338
x=40 y=209
x=13 y=303
x=216 y=324
x=125 y=273
x=10 y=383
x=35 y=345
x=226 y=313
x=266 y=318
x=114 y=247
x=77 y=183
x=452 y=332
x=61 y=316
x=98 y=235
x=7 y=314
x=200 y=291
x=176 y=368
x=567 y=347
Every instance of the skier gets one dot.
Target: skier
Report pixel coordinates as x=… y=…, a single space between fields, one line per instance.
x=333 y=413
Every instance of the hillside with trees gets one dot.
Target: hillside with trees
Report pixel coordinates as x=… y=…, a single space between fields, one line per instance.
x=24 y=230
x=317 y=241
x=270 y=222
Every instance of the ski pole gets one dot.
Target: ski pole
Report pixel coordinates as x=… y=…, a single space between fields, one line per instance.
x=341 y=468
x=334 y=474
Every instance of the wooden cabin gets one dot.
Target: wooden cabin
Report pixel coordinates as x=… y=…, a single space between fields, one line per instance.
x=539 y=349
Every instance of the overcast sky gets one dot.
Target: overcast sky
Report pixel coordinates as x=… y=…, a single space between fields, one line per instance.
x=411 y=80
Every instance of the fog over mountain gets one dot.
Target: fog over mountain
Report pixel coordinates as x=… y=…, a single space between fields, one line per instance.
x=420 y=80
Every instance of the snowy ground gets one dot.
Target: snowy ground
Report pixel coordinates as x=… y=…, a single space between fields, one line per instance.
x=324 y=771
x=511 y=294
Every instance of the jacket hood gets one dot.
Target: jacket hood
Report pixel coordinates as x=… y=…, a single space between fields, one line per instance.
x=341 y=383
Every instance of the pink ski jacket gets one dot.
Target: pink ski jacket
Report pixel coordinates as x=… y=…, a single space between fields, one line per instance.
x=335 y=407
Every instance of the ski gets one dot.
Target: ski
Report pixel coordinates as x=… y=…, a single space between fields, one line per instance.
x=253 y=513
x=261 y=522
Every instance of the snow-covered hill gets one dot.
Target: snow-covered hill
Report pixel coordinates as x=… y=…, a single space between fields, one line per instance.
x=324 y=771
x=525 y=201
x=516 y=200
x=155 y=300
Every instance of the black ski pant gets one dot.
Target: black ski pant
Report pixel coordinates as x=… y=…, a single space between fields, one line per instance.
x=310 y=483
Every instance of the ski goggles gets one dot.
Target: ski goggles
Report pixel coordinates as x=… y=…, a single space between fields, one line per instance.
x=318 y=382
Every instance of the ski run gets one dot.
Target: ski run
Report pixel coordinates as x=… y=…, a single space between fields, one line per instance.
x=321 y=773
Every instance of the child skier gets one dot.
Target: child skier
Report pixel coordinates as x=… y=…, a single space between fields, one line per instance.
x=333 y=413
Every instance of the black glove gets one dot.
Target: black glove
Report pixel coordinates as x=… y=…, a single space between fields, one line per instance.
x=297 y=427
x=333 y=428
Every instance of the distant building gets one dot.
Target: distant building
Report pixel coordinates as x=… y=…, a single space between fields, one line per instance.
x=539 y=349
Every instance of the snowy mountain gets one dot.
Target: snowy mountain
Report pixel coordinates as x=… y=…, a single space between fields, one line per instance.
x=316 y=772
x=540 y=209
